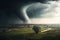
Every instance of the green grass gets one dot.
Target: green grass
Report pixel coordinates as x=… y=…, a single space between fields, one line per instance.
x=26 y=33
x=24 y=30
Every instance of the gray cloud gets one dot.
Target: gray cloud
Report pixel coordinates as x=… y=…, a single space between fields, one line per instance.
x=35 y=10
x=38 y=10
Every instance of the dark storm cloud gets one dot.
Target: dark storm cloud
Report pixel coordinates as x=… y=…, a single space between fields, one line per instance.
x=9 y=10
x=35 y=10
x=48 y=9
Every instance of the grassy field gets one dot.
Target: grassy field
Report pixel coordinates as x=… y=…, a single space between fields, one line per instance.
x=27 y=33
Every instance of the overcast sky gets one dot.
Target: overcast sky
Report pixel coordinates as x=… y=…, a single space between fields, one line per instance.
x=38 y=11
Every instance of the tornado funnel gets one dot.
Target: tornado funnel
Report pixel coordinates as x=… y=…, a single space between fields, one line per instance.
x=24 y=15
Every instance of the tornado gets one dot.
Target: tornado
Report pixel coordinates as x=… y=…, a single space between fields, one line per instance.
x=26 y=19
